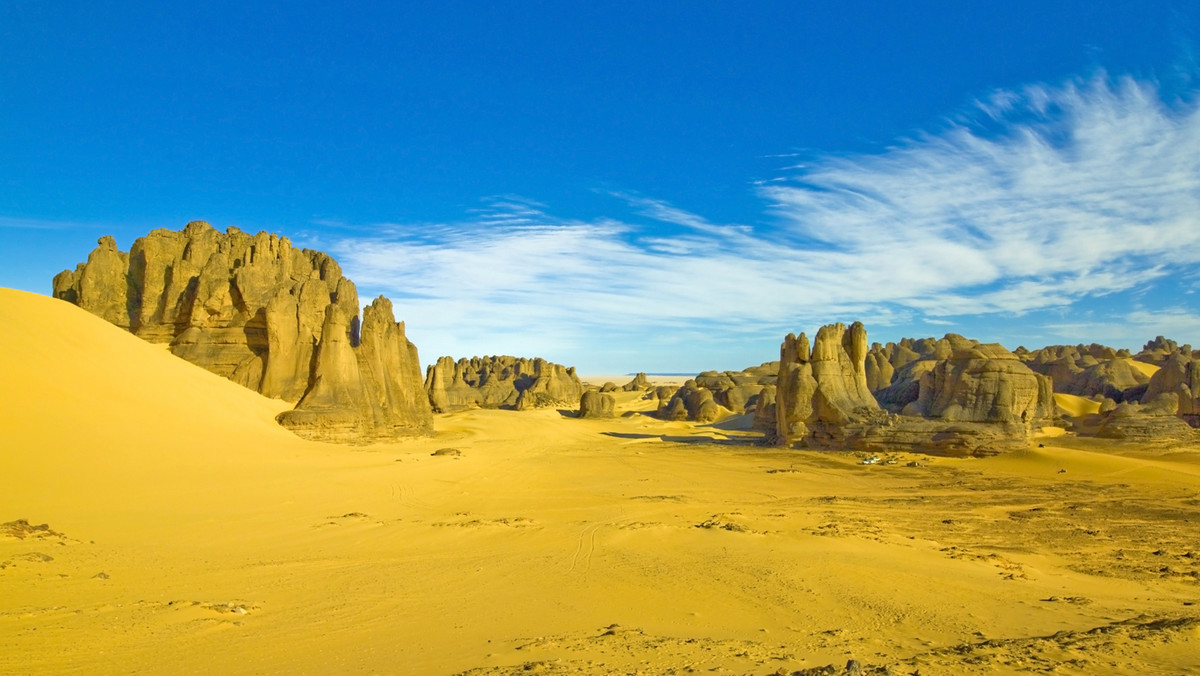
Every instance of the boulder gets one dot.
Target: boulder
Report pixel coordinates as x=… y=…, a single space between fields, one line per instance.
x=593 y=404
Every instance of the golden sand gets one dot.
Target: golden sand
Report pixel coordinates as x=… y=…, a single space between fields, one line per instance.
x=187 y=533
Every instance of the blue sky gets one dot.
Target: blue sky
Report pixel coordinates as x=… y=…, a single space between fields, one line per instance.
x=664 y=186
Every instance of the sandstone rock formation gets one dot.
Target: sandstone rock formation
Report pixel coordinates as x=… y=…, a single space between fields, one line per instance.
x=500 y=382
x=957 y=396
x=1088 y=370
x=963 y=380
x=1179 y=377
x=593 y=404
x=983 y=383
x=1157 y=351
x=712 y=395
x=1154 y=422
x=822 y=386
x=257 y=310
x=639 y=383
x=691 y=402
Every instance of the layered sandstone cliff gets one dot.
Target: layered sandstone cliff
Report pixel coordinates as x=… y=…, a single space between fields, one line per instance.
x=277 y=319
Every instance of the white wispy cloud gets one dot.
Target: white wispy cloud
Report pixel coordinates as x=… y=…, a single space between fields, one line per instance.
x=1030 y=200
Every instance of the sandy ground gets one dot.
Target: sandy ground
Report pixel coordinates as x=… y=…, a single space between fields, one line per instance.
x=184 y=532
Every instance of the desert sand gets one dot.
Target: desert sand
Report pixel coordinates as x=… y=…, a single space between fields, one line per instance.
x=158 y=520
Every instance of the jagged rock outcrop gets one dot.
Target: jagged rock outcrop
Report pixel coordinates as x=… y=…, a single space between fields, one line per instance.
x=822 y=386
x=500 y=382
x=1160 y=349
x=885 y=363
x=257 y=310
x=962 y=380
x=1089 y=370
x=593 y=404
x=362 y=392
x=958 y=397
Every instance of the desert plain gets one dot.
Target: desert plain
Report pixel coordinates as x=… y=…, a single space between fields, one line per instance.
x=156 y=519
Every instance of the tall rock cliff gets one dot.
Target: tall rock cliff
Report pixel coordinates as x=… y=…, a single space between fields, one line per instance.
x=279 y=320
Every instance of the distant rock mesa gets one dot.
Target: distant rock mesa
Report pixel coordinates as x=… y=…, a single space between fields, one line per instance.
x=279 y=320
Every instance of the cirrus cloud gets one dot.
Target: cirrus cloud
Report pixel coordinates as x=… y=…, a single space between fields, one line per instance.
x=1030 y=201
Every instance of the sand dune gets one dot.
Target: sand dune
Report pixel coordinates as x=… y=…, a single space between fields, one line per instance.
x=186 y=532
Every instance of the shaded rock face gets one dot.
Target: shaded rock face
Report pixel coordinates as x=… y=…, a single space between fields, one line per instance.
x=500 y=382
x=593 y=404
x=825 y=385
x=256 y=310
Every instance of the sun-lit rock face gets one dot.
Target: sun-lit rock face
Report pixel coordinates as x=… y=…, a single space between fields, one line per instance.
x=277 y=319
x=952 y=396
x=825 y=385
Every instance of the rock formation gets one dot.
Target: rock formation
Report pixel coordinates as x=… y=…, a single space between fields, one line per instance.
x=983 y=383
x=256 y=310
x=500 y=382
x=1179 y=377
x=957 y=397
x=825 y=386
x=1156 y=421
x=361 y=392
x=712 y=395
x=593 y=404
x=639 y=383
x=691 y=402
